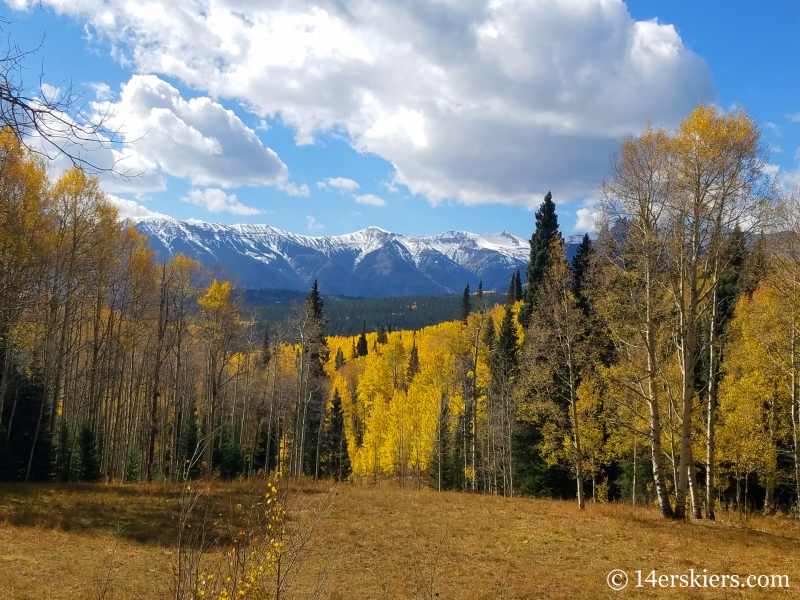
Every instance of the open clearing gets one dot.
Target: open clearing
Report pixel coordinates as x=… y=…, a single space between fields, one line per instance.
x=62 y=541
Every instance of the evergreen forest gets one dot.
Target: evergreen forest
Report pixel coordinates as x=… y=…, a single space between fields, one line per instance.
x=348 y=316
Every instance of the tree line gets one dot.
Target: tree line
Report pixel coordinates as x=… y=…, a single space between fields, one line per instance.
x=347 y=316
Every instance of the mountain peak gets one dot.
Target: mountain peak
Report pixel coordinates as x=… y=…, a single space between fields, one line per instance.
x=375 y=228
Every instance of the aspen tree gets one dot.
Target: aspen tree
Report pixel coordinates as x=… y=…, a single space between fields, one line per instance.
x=718 y=162
x=756 y=403
x=631 y=258
x=220 y=324
x=674 y=198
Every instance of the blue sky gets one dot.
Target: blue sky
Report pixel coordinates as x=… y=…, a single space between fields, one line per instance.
x=445 y=115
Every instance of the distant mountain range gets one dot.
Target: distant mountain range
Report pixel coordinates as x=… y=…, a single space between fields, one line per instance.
x=371 y=262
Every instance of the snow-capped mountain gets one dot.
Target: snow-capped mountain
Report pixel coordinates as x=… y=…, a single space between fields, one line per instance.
x=370 y=262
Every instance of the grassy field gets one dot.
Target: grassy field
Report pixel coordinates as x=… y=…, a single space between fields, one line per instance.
x=71 y=541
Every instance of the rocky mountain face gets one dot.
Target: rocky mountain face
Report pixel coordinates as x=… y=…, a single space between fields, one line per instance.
x=370 y=262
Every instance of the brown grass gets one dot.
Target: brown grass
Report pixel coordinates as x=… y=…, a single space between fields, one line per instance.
x=382 y=542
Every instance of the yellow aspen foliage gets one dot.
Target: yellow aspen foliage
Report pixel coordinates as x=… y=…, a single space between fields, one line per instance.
x=425 y=396
x=755 y=396
x=374 y=392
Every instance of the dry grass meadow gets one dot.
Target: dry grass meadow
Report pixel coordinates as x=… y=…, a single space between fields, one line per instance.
x=71 y=541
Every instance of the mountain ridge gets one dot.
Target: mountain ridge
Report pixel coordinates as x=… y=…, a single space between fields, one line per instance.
x=370 y=262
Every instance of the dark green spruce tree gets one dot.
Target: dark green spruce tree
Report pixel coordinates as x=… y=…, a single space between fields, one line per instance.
x=546 y=230
x=517 y=287
x=413 y=363
x=228 y=456
x=580 y=270
x=317 y=349
x=339 y=361
x=466 y=304
x=132 y=470
x=489 y=335
x=335 y=459
x=504 y=366
x=382 y=337
x=90 y=455
x=510 y=292
x=507 y=347
x=440 y=473
x=362 y=348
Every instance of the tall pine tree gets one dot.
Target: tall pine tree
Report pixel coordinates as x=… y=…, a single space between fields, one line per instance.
x=517 y=287
x=317 y=347
x=489 y=334
x=510 y=292
x=546 y=230
x=413 y=363
x=90 y=455
x=339 y=362
x=440 y=473
x=466 y=304
x=335 y=459
x=383 y=337
x=362 y=348
x=580 y=267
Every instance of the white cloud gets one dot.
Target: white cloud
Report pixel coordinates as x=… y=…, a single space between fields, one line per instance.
x=50 y=93
x=795 y=117
x=480 y=100
x=370 y=199
x=215 y=200
x=296 y=190
x=340 y=183
x=313 y=225
x=197 y=139
x=787 y=179
x=129 y=209
x=102 y=91
x=585 y=221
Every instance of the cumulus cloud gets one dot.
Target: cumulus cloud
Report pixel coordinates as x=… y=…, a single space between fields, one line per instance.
x=370 y=199
x=313 y=225
x=129 y=209
x=197 y=139
x=340 y=183
x=482 y=101
x=585 y=222
x=215 y=200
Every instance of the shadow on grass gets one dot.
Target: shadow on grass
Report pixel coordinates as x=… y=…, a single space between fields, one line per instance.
x=145 y=513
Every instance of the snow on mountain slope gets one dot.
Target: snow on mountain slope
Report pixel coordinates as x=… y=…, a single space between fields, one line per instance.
x=370 y=262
